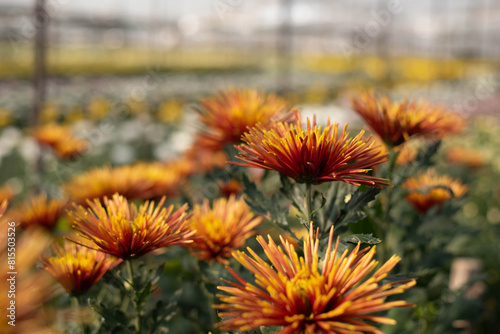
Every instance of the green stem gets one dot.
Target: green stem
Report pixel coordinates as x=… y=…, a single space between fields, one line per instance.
x=77 y=303
x=138 y=322
x=308 y=203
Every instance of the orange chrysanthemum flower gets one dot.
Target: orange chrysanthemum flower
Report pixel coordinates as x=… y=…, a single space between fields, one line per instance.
x=227 y=115
x=429 y=189
x=77 y=268
x=395 y=122
x=38 y=211
x=312 y=155
x=306 y=296
x=60 y=139
x=222 y=229
x=121 y=229
x=139 y=181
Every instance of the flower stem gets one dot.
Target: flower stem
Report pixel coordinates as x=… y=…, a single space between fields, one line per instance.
x=308 y=203
x=77 y=303
x=138 y=322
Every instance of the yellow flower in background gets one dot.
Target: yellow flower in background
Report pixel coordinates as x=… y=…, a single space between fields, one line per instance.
x=126 y=231
x=74 y=114
x=138 y=181
x=77 y=268
x=38 y=211
x=97 y=108
x=430 y=189
x=221 y=229
x=313 y=154
x=137 y=106
x=6 y=117
x=170 y=111
x=227 y=115
x=304 y=295
x=50 y=112
x=396 y=122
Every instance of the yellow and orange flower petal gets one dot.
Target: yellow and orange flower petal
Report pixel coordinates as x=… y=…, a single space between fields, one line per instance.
x=396 y=122
x=38 y=211
x=229 y=114
x=305 y=296
x=222 y=229
x=429 y=189
x=138 y=181
x=463 y=156
x=78 y=268
x=312 y=155
x=121 y=229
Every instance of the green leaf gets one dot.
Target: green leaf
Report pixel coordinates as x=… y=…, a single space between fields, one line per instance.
x=361 y=198
x=363 y=238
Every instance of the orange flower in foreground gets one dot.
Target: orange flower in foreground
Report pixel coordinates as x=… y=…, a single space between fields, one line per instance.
x=429 y=189
x=38 y=211
x=78 y=268
x=306 y=296
x=121 y=229
x=223 y=229
x=312 y=155
x=139 y=181
x=6 y=193
x=395 y=122
x=32 y=287
x=229 y=114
